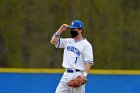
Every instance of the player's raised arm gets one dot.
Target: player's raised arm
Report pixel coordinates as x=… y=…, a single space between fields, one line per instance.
x=55 y=37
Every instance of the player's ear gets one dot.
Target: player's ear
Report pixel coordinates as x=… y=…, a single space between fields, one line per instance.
x=80 y=30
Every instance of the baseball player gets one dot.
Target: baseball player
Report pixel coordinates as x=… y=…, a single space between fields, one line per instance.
x=77 y=57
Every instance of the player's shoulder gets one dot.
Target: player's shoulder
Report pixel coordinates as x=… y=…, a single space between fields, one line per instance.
x=87 y=43
x=67 y=39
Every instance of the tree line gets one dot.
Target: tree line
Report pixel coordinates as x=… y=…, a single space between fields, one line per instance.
x=112 y=27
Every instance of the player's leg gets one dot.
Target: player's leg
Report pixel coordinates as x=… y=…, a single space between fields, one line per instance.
x=62 y=88
x=78 y=90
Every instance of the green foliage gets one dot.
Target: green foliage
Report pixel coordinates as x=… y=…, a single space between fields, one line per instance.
x=112 y=27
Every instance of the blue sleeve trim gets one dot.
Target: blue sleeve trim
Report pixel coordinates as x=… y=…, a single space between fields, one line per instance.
x=58 y=43
x=90 y=61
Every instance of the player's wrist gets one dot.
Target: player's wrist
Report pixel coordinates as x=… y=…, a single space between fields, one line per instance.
x=56 y=35
x=84 y=74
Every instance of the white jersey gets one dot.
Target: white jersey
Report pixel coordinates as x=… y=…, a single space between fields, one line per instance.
x=75 y=53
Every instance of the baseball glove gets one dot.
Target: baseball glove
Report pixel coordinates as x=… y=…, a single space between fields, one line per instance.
x=77 y=82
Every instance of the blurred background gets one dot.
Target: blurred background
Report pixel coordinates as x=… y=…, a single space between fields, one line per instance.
x=30 y=64
x=111 y=26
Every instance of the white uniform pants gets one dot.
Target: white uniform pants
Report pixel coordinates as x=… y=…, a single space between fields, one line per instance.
x=63 y=87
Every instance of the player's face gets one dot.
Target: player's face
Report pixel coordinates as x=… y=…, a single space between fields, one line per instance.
x=74 y=32
x=79 y=30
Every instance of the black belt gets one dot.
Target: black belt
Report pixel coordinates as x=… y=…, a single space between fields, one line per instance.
x=72 y=70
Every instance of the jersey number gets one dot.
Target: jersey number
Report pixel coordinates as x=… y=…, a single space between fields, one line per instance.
x=76 y=60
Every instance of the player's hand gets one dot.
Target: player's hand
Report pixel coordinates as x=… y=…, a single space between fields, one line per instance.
x=63 y=28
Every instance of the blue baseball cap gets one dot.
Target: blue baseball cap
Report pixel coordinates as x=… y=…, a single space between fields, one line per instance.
x=77 y=24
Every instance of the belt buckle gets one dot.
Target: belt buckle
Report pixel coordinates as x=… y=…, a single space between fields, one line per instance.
x=70 y=70
x=77 y=70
